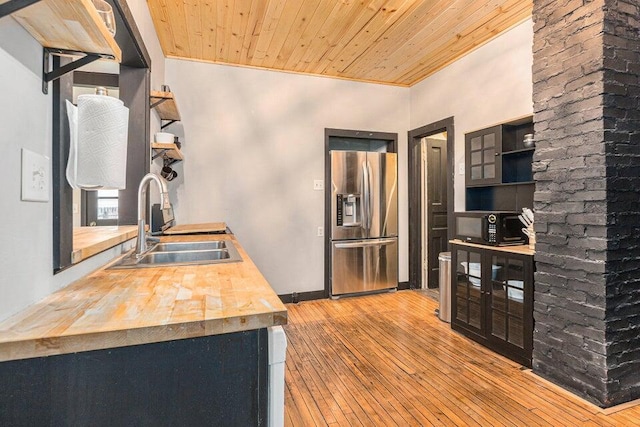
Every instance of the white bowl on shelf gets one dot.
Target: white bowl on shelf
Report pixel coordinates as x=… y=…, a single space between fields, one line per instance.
x=164 y=137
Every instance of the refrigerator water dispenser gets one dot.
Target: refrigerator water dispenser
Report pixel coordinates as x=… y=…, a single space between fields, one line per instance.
x=349 y=212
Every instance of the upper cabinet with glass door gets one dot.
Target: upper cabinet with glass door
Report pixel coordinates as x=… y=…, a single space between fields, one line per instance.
x=482 y=153
x=499 y=173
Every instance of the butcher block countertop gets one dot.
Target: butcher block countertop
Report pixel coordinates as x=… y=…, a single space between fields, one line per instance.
x=209 y=227
x=89 y=241
x=517 y=249
x=123 y=307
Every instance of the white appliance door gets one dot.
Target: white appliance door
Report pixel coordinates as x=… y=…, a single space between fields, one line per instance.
x=364 y=265
x=277 y=343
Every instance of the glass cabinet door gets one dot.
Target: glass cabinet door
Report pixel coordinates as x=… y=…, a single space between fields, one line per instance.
x=506 y=300
x=483 y=156
x=468 y=289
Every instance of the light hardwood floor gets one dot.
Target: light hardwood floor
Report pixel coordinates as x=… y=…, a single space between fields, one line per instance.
x=385 y=360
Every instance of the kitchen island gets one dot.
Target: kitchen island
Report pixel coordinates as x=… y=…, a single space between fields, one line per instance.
x=145 y=346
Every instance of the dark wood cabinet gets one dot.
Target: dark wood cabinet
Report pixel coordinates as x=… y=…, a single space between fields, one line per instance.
x=492 y=298
x=499 y=175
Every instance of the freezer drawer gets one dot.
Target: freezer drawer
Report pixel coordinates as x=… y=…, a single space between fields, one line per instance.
x=364 y=265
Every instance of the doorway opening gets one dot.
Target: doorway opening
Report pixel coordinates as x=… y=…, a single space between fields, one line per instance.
x=431 y=196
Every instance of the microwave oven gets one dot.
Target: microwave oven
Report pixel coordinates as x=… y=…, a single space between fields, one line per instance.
x=489 y=228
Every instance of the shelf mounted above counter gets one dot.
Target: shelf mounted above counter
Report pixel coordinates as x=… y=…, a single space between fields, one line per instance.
x=167 y=151
x=66 y=28
x=166 y=106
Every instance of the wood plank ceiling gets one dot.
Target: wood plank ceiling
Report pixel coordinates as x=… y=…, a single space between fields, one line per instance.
x=397 y=42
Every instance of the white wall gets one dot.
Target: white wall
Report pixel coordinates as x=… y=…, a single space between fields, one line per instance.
x=26 y=260
x=490 y=85
x=26 y=228
x=254 y=143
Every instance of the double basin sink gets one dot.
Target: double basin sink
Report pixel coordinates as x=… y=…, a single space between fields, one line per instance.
x=182 y=253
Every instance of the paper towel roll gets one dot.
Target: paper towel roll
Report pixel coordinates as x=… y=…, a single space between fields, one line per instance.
x=98 y=152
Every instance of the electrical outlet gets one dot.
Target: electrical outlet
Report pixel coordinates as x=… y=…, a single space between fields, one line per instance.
x=320 y=231
x=36 y=178
x=318 y=184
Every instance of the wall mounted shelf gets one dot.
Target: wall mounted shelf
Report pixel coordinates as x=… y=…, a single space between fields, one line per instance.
x=165 y=104
x=168 y=151
x=70 y=28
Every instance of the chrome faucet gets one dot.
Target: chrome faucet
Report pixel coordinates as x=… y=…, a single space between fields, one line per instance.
x=141 y=241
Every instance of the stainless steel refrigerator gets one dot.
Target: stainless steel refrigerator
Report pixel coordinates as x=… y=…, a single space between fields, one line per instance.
x=364 y=222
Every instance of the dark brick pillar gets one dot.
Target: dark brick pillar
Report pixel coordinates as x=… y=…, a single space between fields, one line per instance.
x=586 y=76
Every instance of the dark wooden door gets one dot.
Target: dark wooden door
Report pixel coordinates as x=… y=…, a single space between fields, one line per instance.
x=435 y=206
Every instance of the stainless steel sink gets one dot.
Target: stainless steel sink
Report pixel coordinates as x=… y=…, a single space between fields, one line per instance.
x=184 y=257
x=182 y=253
x=188 y=246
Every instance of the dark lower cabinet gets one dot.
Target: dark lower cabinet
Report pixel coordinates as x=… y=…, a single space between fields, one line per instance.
x=219 y=380
x=492 y=299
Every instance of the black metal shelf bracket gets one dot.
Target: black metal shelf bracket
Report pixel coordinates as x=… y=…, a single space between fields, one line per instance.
x=159 y=153
x=167 y=124
x=166 y=160
x=50 y=75
x=14 y=5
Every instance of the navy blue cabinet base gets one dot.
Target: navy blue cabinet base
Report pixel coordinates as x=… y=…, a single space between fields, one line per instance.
x=209 y=381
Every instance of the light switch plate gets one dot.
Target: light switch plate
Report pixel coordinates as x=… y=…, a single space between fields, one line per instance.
x=461 y=168
x=318 y=184
x=36 y=178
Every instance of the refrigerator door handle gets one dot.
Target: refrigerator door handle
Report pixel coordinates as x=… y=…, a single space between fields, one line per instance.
x=366 y=213
x=362 y=244
x=369 y=201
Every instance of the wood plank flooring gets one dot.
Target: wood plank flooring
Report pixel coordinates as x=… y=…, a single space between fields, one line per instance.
x=385 y=360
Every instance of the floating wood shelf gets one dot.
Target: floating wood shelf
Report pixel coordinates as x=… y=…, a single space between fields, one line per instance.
x=165 y=105
x=73 y=26
x=167 y=150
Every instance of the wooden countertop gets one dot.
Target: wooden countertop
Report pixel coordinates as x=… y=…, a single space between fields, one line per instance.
x=518 y=249
x=89 y=241
x=122 y=307
x=208 y=227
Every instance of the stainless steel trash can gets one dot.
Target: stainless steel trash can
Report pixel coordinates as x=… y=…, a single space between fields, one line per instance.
x=444 y=260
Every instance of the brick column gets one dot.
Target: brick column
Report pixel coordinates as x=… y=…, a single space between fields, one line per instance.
x=586 y=77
